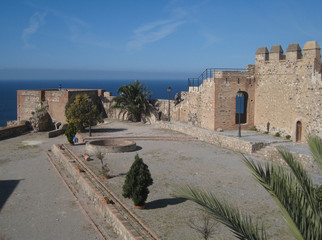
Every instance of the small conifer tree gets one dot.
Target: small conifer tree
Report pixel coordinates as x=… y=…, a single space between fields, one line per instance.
x=137 y=181
x=70 y=132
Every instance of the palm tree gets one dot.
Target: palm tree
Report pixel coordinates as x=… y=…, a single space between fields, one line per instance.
x=133 y=100
x=293 y=191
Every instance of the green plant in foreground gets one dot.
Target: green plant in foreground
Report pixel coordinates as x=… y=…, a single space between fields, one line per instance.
x=315 y=144
x=137 y=181
x=293 y=191
x=241 y=225
x=288 y=137
x=277 y=134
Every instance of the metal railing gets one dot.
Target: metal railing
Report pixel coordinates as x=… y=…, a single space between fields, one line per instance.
x=209 y=73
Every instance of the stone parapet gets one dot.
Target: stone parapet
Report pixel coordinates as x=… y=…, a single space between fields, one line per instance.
x=261 y=149
x=16 y=130
x=204 y=135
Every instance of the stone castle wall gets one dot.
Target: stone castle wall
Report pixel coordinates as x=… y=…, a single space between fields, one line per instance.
x=226 y=89
x=197 y=106
x=54 y=100
x=56 y=104
x=28 y=101
x=212 y=104
x=283 y=90
x=289 y=89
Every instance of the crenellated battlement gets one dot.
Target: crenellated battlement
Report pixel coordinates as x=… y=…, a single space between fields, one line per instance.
x=288 y=89
x=311 y=52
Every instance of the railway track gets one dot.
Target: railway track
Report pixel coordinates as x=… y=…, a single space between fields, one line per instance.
x=142 y=230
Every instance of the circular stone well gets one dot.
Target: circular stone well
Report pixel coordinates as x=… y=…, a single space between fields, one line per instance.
x=110 y=146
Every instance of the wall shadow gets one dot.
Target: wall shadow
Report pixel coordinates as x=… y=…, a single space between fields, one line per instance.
x=118 y=175
x=7 y=187
x=138 y=148
x=162 y=203
x=100 y=130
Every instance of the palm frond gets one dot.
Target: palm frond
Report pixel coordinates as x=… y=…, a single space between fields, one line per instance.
x=315 y=144
x=302 y=177
x=298 y=208
x=133 y=100
x=240 y=225
x=280 y=186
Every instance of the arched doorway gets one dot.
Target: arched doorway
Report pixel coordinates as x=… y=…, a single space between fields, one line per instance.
x=241 y=108
x=298 y=131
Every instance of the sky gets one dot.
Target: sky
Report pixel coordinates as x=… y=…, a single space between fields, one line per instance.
x=161 y=39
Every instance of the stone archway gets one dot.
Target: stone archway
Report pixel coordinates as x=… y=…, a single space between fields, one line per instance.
x=298 y=132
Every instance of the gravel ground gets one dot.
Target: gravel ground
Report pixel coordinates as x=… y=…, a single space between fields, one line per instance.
x=37 y=205
x=179 y=163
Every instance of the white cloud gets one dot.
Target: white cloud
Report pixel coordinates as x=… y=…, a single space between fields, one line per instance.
x=35 y=21
x=155 y=31
x=80 y=32
x=210 y=38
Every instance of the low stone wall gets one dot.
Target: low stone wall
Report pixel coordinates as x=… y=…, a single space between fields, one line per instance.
x=13 y=131
x=208 y=136
x=271 y=153
x=57 y=132
x=260 y=149
x=108 y=211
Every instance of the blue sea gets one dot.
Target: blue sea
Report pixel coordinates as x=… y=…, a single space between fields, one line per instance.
x=8 y=90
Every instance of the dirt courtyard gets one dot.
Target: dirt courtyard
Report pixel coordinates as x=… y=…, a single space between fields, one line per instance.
x=180 y=163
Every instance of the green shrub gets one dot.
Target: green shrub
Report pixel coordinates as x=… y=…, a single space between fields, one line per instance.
x=137 y=181
x=70 y=132
x=266 y=132
x=253 y=128
x=288 y=137
x=277 y=134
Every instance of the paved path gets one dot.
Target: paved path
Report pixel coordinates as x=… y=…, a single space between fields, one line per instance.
x=34 y=203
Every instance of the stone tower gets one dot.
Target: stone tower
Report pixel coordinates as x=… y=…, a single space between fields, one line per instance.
x=288 y=90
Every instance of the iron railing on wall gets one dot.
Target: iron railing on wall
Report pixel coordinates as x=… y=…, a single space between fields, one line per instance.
x=209 y=73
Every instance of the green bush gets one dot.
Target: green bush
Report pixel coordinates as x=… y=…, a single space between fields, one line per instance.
x=137 y=181
x=70 y=132
x=277 y=134
x=288 y=137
